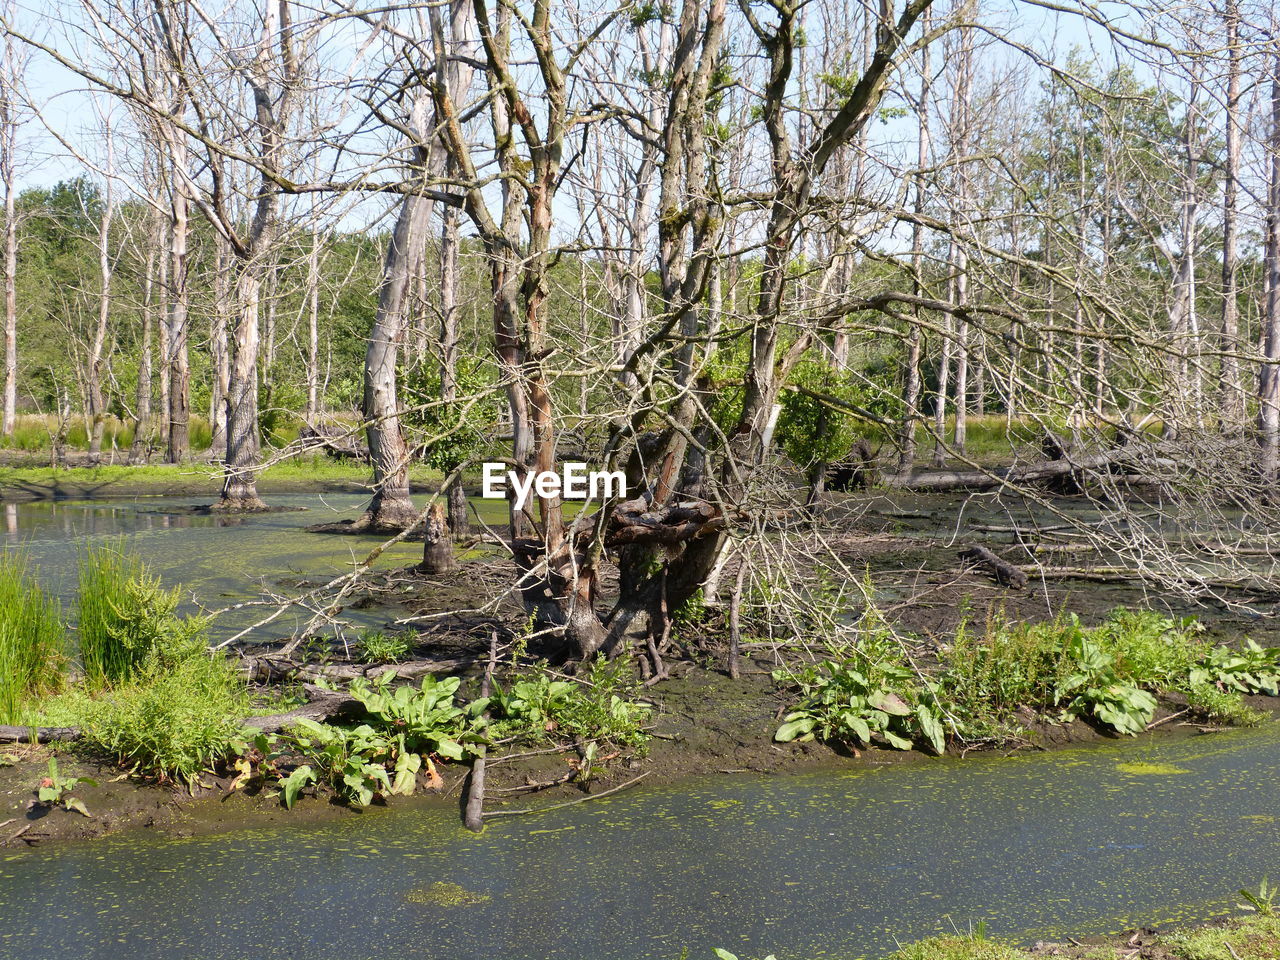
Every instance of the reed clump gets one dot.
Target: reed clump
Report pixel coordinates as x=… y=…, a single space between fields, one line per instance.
x=32 y=639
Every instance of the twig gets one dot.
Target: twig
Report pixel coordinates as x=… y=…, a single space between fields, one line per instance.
x=567 y=803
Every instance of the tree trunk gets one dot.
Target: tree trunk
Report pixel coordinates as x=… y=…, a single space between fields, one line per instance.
x=142 y=425
x=450 y=332
x=219 y=349
x=8 y=147
x=1231 y=393
x=392 y=507
x=311 y=414
x=437 y=546
x=97 y=405
x=239 y=486
x=1269 y=374
x=179 y=372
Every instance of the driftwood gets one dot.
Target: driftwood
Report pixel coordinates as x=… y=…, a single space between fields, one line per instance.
x=1005 y=573
x=939 y=481
x=336 y=443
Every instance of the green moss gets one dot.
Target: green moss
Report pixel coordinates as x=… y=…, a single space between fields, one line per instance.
x=443 y=894
x=1143 y=769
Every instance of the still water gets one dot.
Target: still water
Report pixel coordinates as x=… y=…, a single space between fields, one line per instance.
x=218 y=561
x=833 y=864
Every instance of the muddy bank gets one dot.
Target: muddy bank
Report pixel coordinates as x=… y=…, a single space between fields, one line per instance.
x=704 y=723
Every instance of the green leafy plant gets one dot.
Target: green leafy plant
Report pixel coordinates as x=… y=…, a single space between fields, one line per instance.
x=601 y=706
x=1248 y=669
x=426 y=716
x=867 y=696
x=359 y=763
x=1263 y=902
x=293 y=784
x=56 y=789
x=379 y=647
x=382 y=757
x=1096 y=687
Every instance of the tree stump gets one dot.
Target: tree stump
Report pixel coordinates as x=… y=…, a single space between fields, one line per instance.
x=1067 y=484
x=856 y=471
x=437 y=545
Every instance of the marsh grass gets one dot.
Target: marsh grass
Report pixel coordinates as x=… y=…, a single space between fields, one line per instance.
x=32 y=638
x=127 y=619
x=34 y=433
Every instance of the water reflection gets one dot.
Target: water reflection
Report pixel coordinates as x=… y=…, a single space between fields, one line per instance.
x=217 y=560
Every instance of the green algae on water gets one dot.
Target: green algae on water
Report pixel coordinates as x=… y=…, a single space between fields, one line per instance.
x=1144 y=769
x=443 y=894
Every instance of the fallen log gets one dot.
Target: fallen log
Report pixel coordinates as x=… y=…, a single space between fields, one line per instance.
x=1005 y=573
x=269 y=668
x=940 y=481
x=38 y=734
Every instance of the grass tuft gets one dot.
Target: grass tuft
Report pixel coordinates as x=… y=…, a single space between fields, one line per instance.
x=32 y=639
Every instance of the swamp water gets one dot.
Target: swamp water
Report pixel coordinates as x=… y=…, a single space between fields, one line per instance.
x=832 y=864
x=218 y=561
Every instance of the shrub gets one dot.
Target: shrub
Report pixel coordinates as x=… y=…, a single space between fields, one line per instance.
x=126 y=617
x=182 y=712
x=31 y=639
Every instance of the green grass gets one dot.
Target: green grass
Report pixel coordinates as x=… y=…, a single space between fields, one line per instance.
x=32 y=639
x=1252 y=938
x=126 y=619
x=301 y=471
x=970 y=947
